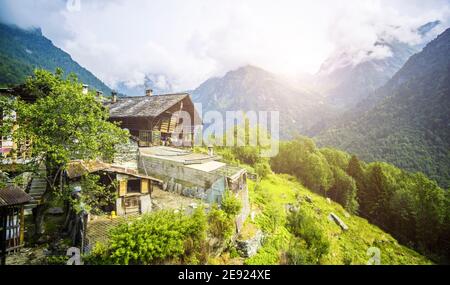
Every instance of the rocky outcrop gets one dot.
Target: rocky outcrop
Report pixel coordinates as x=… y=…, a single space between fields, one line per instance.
x=248 y=248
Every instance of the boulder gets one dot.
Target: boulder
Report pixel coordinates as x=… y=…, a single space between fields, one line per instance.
x=338 y=221
x=248 y=248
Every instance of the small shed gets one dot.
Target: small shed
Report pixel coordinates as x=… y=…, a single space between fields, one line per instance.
x=12 y=201
x=133 y=188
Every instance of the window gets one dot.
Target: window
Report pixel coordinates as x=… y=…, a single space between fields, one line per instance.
x=134 y=186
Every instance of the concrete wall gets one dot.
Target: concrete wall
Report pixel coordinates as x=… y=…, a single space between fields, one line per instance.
x=164 y=168
x=185 y=181
x=210 y=195
x=245 y=211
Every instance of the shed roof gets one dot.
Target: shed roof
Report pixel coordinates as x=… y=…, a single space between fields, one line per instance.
x=78 y=168
x=13 y=195
x=143 y=106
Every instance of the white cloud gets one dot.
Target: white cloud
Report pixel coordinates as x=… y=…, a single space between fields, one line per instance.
x=190 y=41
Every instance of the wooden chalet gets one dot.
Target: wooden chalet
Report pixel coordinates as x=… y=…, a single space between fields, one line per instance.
x=12 y=201
x=152 y=119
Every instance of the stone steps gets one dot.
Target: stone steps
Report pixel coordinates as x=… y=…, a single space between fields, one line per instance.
x=37 y=189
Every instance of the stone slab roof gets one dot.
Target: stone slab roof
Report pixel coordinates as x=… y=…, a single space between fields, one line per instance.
x=13 y=195
x=143 y=106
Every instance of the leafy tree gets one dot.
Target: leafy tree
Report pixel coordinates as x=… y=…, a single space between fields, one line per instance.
x=430 y=212
x=375 y=195
x=301 y=158
x=355 y=170
x=344 y=190
x=64 y=124
x=95 y=196
x=335 y=157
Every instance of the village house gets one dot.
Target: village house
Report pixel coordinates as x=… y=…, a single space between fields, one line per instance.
x=10 y=150
x=147 y=174
x=196 y=175
x=12 y=225
x=152 y=119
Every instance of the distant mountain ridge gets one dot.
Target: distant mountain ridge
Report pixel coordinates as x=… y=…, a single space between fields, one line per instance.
x=252 y=88
x=21 y=51
x=345 y=80
x=407 y=121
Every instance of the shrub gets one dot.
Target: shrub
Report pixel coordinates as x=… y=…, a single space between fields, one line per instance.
x=262 y=169
x=298 y=253
x=231 y=205
x=303 y=226
x=271 y=218
x=221 y=226
x=160 y=237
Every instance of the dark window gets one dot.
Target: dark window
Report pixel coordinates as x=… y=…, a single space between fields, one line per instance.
x=134 y=186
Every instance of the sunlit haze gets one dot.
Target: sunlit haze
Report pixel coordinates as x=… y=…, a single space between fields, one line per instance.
x=186 y=42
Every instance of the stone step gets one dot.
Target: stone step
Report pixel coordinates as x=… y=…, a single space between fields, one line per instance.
x=38 y=187
x=37 y=190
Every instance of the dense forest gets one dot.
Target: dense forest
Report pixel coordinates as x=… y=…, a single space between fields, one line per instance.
x=410 y=206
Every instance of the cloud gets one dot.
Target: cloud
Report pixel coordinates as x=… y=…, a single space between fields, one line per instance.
x=190 y=41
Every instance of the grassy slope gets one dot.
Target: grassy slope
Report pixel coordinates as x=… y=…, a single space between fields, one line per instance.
x=348 y=247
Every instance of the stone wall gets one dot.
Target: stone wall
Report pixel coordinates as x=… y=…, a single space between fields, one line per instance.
x=127 y=154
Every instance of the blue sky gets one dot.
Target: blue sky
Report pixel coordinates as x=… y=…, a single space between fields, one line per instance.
x=188 y=41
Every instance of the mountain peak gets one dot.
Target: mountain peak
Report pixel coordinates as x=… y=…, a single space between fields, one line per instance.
x=249 y=69
x=424 y=29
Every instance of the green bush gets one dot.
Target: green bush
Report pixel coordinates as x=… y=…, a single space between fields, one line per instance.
x=56 y=260
x=262 y=169
x=231 y=205
x=221 y=225
x=299 y=254
x=303 y=226
x=160 y=237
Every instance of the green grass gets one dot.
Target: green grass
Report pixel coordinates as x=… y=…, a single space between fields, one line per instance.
x=346 y=247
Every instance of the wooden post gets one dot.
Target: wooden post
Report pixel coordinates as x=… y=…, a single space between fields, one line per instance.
x=22 y=225
x=122 y=187
x=144 y=186
x=3 y=236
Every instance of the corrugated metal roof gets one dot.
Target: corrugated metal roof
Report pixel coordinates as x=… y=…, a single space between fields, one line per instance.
x=143 y=106
x=13 y=195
